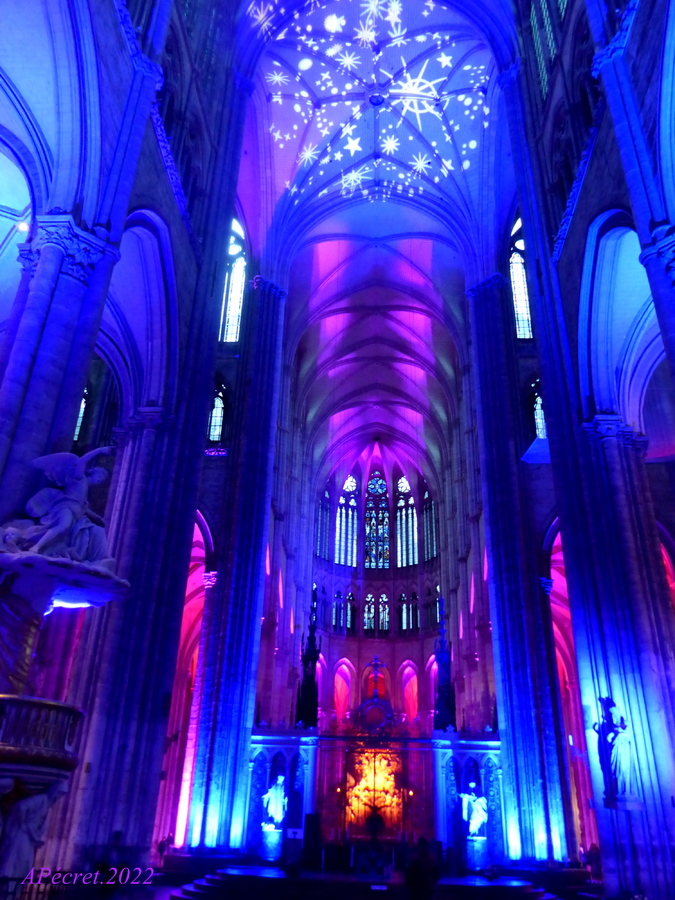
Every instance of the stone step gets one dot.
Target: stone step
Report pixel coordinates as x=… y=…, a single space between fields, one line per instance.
x=257 y=883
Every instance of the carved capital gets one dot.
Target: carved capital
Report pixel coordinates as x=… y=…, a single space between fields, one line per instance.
x=81 y=250
x=267 y=287
x=546 y=585
x=495 y=282
x=508 y=77
x=662 y=250
x=606 y=425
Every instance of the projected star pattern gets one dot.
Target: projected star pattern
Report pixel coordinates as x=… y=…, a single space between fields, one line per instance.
x=374 y=98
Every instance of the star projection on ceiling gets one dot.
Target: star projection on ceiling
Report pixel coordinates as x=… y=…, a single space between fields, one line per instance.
x=374 y=98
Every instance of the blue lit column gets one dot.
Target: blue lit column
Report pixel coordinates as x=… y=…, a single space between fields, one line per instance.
x=530 y=721
x=622 y=617
x=219 y=798
x=646 y=197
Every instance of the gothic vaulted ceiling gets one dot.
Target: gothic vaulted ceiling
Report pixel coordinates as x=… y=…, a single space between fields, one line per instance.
x=374 y=131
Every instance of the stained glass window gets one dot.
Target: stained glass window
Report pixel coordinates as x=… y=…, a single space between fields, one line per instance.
x=383 y=616
x=235 y=282
x=406 y=526
x=338 y=612
x=521 y=301
x=351 y=614
x=369 y=615
x=346 y=525
x=377 y=523
x=429 y=528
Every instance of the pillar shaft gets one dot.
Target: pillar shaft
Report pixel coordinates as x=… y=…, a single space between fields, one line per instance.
x=230 y=672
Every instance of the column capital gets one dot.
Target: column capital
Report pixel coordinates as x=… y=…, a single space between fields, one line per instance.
x=546 y=585
x=509 y=76
x=605 y=426
x=663 y=250
x=619 y=42
x=268 y=287
x=82 y=251
x=495 y=282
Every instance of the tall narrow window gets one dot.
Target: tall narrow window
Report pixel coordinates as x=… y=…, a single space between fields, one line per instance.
x=350 y=614
x=521 y=302
x=383 y=616
x=233 y=295
x=429 y=527
x=406 y=525
x=80 y=416
x=539 y=51
x=369 y=615
x=539 y=420
x=377 y=523
x=346 y=525
x=322 y=526
x=338 y=613
x=548 y=28
x=216 y=419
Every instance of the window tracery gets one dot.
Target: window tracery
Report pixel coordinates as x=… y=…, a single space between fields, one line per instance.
x=406 y=525
x=346 y=525
x=235 y=282
x=521 y=301
x=377 y=523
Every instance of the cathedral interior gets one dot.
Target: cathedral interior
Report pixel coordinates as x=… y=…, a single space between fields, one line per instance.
x=337 y=446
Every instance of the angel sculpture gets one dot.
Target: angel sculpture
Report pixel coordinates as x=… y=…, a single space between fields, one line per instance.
x=67 y=527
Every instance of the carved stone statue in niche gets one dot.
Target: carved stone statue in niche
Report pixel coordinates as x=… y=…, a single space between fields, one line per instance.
x=58 y=557
x=62 y=524
x=275 y=801
x=474 y=810
x=616 y=751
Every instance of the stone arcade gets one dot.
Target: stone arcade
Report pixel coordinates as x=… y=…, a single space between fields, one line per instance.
x=337 y=435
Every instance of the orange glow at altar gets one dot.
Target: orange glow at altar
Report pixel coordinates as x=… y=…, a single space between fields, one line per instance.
x=373 y=781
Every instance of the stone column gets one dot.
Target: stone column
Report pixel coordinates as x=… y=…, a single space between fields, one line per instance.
x=621 y=614
x=530 y=726
x=62 y=260
x=231 y=654
x=645 y=192
x=625 y=637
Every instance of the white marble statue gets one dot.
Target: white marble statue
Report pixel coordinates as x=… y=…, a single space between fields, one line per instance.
x=275 y=801
x=474 y=809
x=621 y=759
x=23 y=831
x=66 y=527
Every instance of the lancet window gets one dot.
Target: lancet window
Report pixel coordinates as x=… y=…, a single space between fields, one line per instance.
x=323 y=526
x=521 y=301
x=409 y=614
x=346 y=525
x=383 y=616
x=377 y=523
x=539 y=420
x=350 y=614
x=338 y=613
x=369 y=616
x=429 y=528
x=406 y=525
x=80 y=416
x=235 y=282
